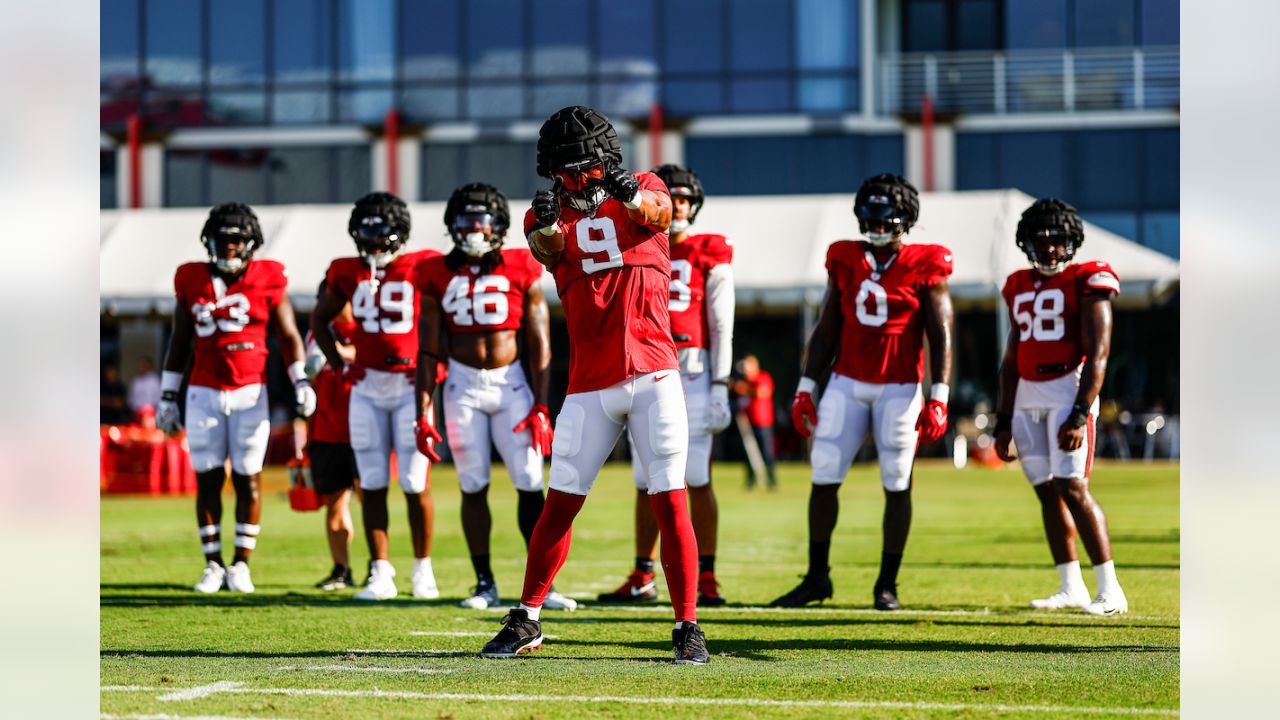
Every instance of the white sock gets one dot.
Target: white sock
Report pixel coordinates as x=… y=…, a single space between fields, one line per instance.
x=421 y=563
x=1070 y=578
x=383 y=567
x=1106 y=573
x=535 y=613
x=679 y=625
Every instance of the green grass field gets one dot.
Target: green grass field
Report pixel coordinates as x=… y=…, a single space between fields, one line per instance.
x=964 y=646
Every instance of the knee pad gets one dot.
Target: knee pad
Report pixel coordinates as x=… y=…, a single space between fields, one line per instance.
x=564 y=476
x=896 y=425
x=697 y=472
x=895 y=468
x=825 y=458
x=414 y=473
x=249 y=448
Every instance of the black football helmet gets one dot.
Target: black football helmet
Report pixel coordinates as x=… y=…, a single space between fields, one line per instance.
x=482 y=203
x=1050 y=218
x=380 y=226
x=575 y=139
x=231 y=223
x=886 y=206
x=682 y=182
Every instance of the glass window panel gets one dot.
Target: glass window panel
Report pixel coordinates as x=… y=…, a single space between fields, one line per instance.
x=758 y=37
x=441 y=170
x=430 y=103
x=237 y=42
x=114 y=109
x=238 y=175
x=823 y=94
x=184 y=178
x=107 y=186
x=1106 y=165
x=173 y=42
x=825 y=164
x=1034 y=162
x=509 y=166
x=561 y=45
x=694 y=39
x=237 y=108
x=761 y=95
x=690 y=97
x=302 y=40
x=1104 y=23
x=118 y=42
x=495 y=101
x=364 y=105
x=976 y=23
x=626 y=98
x=1160 y=22
x=1161 y=231
x=550 y=97
x=429 y=35
x=826 y=34
x=171 y=107
x=495 y=43
x=626 y=38
x=351 y=164
x=1123 y=224
x=925 y=26
x=1035 y=24
x=366 y=39
x=300 y=106
x=300 y=175
x=1160 y=168
x=976 y=161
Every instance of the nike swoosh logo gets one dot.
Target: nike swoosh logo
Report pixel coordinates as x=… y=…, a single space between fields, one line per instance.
x=647 y=587
x=947 y=258
x=660 y=378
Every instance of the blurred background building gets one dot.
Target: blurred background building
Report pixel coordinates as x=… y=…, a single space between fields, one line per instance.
x=319 y=101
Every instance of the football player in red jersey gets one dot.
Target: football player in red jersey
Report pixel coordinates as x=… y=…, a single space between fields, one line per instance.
x=223 y=309
x=379 y=284
x=602 y=231
x=1054 y=364
x=481 y=296
x=701 y=308
x=333 y=464
x=883 y=297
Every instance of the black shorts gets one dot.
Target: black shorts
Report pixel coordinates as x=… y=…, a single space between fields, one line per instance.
x=333 y=467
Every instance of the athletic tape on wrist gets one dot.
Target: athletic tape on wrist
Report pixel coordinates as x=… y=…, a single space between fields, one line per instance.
x=806 y=385
x=170 y=380
x=634 y=202
x=940 y=392
x=548 y=230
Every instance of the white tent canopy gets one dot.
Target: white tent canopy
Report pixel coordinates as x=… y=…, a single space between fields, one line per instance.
x=779 y=243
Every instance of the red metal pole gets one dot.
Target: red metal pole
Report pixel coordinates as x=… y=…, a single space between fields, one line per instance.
x=926 y=123
x=655 y=135
x=133 y=130
x=393 y=151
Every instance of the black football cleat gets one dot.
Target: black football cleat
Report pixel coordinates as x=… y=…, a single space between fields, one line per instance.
x=690 y=645
x=339 y=579
x=709 y=590
x=811 y=589
x=518 y=634
x=886 y=597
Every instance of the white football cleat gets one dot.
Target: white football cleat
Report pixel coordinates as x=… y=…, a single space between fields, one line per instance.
x=381 y=584
x=1063 y=599
x=424 y=582
x=484 y=596
x=213 y=580
x=238 y=579
x=1110 y=603
x=558 y=601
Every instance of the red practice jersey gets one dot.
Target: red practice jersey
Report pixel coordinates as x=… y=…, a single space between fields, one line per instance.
x=386 y=311
x=476 y=303
x=329 y=423
x=882 y=340
x=691 y=262
x=614 y=281
x=1047 y=313
x=230 y=320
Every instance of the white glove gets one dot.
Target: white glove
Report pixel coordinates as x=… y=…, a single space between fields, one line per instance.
x=718 y=413
x=305 y=394
x=315 y=363
x=168 y=416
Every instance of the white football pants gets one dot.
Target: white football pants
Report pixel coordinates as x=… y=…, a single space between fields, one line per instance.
x=483 y=406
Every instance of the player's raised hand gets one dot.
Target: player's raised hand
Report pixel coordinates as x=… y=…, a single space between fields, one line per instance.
x=427 y=436
x=620 y=184
x=804 y=413
x=932 y=422
x=538 y=423
x=546 y=207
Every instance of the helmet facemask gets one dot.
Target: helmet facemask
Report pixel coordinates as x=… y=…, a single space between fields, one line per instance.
x=1038 y=250
x=378 y=241
x=578 y=185
x=1048 y=224
x=880 y=221
x=473 y=231
x=219 y=242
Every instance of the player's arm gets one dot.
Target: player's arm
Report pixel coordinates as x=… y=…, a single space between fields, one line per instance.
x=176 y=357
x=537 y=334
x=718 y=306
x=1006 y=390
x=328 y=307
x=430 y=350
x=1095 y=336
x=649 y=208
x=545 y=236
x=819 y=353
x=938 y=320
x=295 y=354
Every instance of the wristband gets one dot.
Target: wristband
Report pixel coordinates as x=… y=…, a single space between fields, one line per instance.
x=940 y=392
x=634 y=202
x=806 y=385
x=1079 y=416
x=297 y=372
x=170 y=380
x=549 y=230
x=1004 y=423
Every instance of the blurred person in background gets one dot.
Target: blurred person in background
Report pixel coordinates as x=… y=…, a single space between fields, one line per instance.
x=144 y=388
x=1054 y=365
x=884 y=296
x=756 y=415
x=475 y=302
x=114 y=409
x=224 y=307
x=701 y=307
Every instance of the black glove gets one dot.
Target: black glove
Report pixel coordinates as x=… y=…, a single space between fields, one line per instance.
x=546 y=208
x=620 y=184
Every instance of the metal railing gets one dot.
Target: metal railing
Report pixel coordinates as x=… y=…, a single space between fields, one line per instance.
x=1031 y=81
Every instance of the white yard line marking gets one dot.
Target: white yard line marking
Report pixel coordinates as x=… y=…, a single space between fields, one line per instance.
x=401 y=652
x=985 y=612
x=164 y=716
x=200 y=691
x=353 y=668
x=460 y=633
x=748 y=702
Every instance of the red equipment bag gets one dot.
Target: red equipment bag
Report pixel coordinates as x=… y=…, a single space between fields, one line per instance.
x=302 y=491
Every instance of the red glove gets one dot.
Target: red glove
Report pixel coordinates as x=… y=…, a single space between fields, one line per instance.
x=538 y=423
x=352 y=374
x=804 y=414
x=442 y=372
x=427 y=438
x=932 y=422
